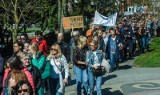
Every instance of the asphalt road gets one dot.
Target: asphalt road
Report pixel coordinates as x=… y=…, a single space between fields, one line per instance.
x=128 y=80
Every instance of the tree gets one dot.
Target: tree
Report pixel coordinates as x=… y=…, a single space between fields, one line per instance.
x=15 y=12
x=45 y=14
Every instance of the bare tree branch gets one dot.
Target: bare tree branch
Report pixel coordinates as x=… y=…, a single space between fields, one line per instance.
x=12 y=3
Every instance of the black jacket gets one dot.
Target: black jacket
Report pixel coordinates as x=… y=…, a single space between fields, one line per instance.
x=36 y=76
x=65 y=49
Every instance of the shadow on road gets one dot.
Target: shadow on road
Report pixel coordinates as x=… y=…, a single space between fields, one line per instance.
x=108 y=77
x=125 y=67
x=107 y=92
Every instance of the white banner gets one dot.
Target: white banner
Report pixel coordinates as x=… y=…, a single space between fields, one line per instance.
x=126 y=13
x=105 y=21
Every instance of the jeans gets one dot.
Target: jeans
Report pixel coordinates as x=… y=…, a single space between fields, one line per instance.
x=53 y=85
x=81 y=78
x=98 y=79
x=113 y=59
x=145 y=41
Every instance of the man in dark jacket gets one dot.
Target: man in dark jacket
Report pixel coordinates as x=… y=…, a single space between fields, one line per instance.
x=128 y=42
x=64 y=46
x=25 y=58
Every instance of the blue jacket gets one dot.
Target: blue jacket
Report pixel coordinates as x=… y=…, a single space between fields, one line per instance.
x=118 y=41
x=90 y=57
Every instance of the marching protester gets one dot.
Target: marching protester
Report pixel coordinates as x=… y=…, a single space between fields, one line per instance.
x=14 y=63
x=89 y=33
x=36 y=74
x=101 y=41
x=128 y=42
x=143 y=34
x=97 y=37
x=26 y=47
x=73 y=43
x=114 y=47
x=18 y=48
x=15 y=77
x=38 y=60
x=135 y=37
x=39 y=39
x=80 y=66
x=23 y=88
x=59 y=71
x=94 y=58
x=23 y=38
x=121 y=33
x=64 y=46
x=33 y=69
x=105 y=38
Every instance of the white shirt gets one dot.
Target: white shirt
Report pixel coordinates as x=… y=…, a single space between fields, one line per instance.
x=96 y=62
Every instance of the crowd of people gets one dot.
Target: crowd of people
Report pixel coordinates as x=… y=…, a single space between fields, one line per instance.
x=35 y=69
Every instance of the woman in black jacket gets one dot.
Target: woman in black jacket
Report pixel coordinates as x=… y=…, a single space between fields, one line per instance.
x=26 y=60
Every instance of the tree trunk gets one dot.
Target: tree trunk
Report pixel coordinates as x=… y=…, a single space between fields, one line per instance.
x=16 y=19
x=59 y=14
x=14 y=35
x=62 y=14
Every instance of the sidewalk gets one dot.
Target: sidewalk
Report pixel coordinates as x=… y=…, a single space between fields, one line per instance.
x=127 y=81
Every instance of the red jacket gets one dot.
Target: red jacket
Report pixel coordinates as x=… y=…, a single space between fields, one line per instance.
x=25 y=70
x=42 y=45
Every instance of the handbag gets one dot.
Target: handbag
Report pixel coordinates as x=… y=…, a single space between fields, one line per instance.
x=63 y=73
x=69 y=77
x=99 y=71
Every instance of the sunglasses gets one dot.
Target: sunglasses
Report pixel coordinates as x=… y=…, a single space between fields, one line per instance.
x=23 y=90
x=27 y=59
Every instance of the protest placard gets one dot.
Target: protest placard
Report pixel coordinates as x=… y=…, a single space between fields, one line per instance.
x=73 y=22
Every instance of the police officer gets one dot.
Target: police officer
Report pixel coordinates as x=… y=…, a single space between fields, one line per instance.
x=128 y=41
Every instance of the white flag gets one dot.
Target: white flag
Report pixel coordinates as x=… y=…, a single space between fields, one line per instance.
x=105 y=21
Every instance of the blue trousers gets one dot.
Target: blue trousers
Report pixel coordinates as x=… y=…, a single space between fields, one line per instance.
x=113 y=59
x=92 y=78
x=81 y=79
x=145 y=41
